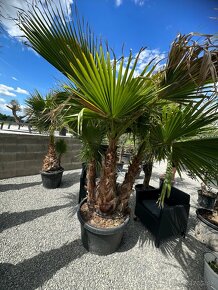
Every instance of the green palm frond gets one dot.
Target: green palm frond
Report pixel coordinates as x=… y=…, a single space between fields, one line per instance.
x=106 y=87
x=58 y=39
x=178 y=122
x=93 y=135
x=41 y=112
x=186 y=136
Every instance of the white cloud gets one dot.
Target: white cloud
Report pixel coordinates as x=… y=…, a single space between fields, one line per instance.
x=146 y=56
x=11 y=92
x=3 y=107
x=139 y=2
x=7 y=91
x=118 y=2
x=9 y=10
x=21 y=91
x=14 y=78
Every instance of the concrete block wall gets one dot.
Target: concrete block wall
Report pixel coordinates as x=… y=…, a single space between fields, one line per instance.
x=22 y=154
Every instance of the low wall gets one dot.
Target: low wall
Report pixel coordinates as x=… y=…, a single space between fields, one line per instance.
x=22 y=154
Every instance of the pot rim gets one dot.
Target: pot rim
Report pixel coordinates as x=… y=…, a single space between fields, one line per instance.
x=52 y=172
x=97 y=230
x=201 y=218
x=213 y=195
x=208 y=257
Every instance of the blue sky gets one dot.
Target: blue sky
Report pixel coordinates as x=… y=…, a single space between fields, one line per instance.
x=135 y=23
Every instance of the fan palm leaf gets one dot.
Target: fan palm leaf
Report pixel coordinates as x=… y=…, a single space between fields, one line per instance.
x=187 y=128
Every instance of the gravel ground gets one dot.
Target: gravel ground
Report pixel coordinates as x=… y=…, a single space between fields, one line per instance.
x=41 y=246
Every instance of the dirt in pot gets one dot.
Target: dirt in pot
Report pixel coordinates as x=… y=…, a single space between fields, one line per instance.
x=211 y=217
x=214 y=265
x=98 y=221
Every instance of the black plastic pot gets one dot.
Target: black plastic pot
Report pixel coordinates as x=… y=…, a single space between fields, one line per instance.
x=141 y=188
x=100 y=241
x=141 y=191
x=206 y=201
x=52 y=179
x=126 y=158
x=120 y=166
x=63 y=131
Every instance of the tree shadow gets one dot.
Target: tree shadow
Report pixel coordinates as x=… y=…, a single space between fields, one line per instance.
x=14 y=186
x=34 y=272
x=70 y=179
x=73 y=203
x=188 y=252
x=9 y=220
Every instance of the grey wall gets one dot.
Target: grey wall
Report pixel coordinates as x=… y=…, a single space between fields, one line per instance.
x=22 y=154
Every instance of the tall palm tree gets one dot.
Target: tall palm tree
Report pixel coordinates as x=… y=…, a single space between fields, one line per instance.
x=107 y=89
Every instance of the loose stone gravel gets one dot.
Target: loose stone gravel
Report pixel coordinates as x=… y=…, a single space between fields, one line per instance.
x=41 y=246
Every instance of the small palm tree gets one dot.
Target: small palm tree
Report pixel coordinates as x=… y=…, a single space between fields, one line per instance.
x=42 y=118
x=106 y=89
x=14 y=106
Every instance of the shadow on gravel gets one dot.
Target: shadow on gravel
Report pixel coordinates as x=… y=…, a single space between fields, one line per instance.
x=70 y=179
x=73 y=201
x=9 y=220
x=13 y=186
x=34 y=272
x=187 y=252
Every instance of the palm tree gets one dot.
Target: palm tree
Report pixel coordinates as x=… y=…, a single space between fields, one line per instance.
x=42 y=118
x=14 y=106
x=106 y=89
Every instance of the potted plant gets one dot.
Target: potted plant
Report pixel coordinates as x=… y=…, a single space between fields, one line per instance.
x=208 y=193
x=105 y=92
x=52 y=170
x=211 y=270
x=206 y=228
x=40 y=114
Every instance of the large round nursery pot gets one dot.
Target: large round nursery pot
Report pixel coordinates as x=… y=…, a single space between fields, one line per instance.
x=210 y=276
x=100 y=241
x=52 y=179
x=120 y=166
x=205 y=230
x=206 y=201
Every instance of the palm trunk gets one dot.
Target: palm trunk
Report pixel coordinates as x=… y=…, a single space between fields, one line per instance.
x=147 y=168
x=126 y=187
x=91 y=174
x=50 y=162
x=17 y=119
x=106 y=189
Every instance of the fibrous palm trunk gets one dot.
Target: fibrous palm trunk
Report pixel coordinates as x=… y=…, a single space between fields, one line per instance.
x=91 y=174
x=50 y=162
x=106 y=189
x=126 y=187
x=147 y=168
